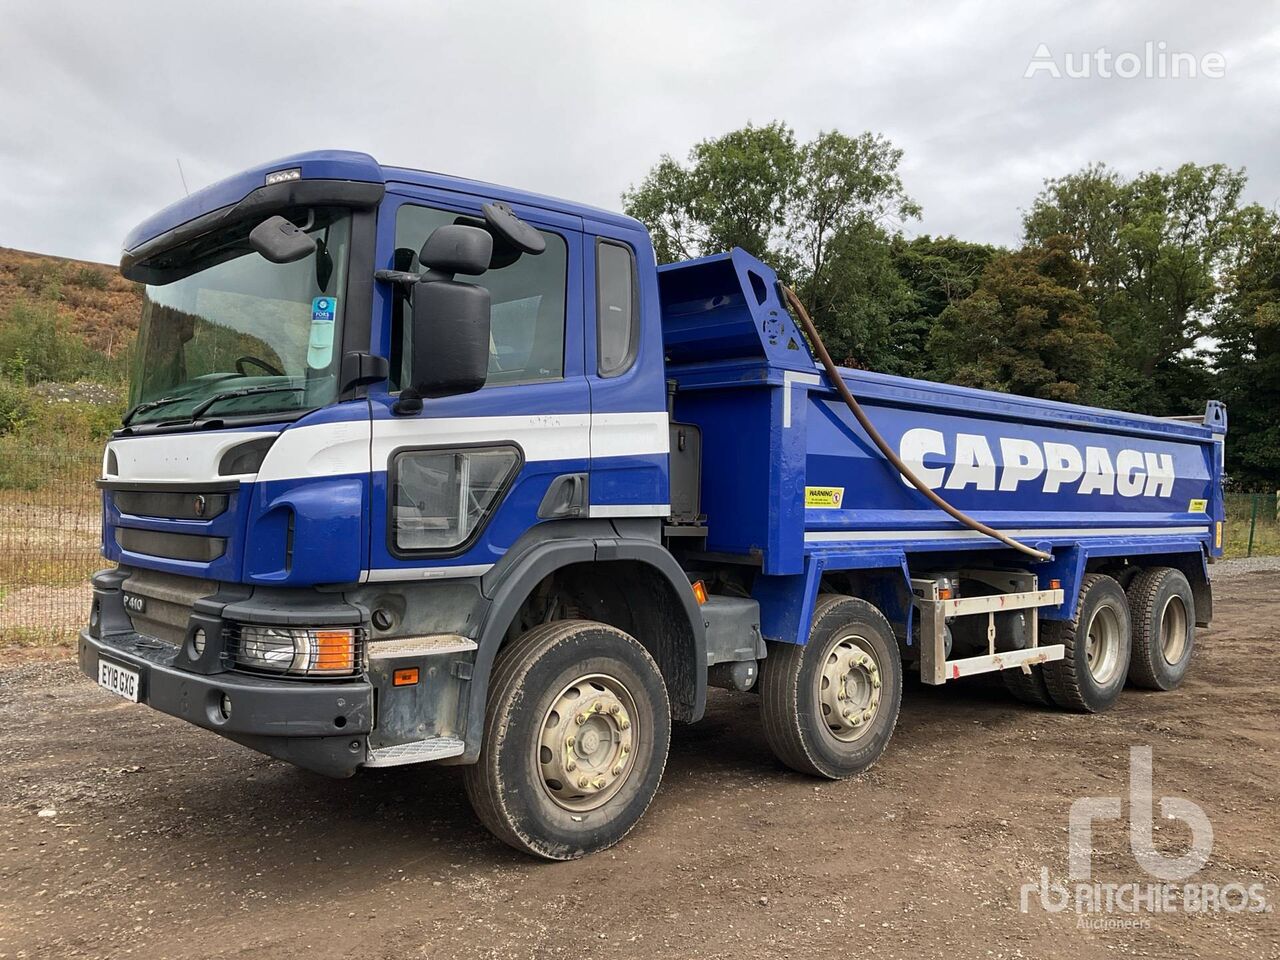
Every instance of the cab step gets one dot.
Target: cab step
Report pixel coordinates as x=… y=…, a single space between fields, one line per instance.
x=416 y=751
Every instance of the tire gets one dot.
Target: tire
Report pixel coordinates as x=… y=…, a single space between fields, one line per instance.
x=522 y=787
x=1092 y=674
x=851 y=654
x=1028 y=688
x=1163 y=610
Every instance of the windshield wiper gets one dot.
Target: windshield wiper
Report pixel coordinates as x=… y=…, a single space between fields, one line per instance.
x=149 y=405
x=204 y=405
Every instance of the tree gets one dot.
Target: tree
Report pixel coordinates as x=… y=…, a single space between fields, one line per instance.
x=1155 y=248
x=822 y=213
x=1026 y=329
x=939 y=272
x=1247 y=356
x=734 y=193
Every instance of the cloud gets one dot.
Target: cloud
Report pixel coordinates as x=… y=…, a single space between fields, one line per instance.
x=578 y=98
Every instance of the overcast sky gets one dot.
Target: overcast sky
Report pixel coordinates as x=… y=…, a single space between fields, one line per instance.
x=577 y=98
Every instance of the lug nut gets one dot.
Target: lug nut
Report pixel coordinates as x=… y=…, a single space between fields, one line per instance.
x=615 y=709
x=866 y=714
x=624 y=723
x=625 y=749
x=570 y=765
x=584 y=783
x=617 y=771
x=580 y=719
x=598 y=783
x=875 y=682
x=570 y=741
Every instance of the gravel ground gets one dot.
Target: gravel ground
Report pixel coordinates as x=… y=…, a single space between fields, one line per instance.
x=125 y=832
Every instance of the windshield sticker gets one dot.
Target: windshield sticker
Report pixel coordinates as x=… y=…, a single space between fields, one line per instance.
x=320 y=346
x=323 y=309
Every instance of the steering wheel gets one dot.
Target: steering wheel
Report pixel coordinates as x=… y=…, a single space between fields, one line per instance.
x=241 y=361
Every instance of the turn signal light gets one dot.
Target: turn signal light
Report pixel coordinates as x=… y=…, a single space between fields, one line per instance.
x=334 y=650
x=944 y=593
x=700 y=592
x=404 y=677
x=1055 y=584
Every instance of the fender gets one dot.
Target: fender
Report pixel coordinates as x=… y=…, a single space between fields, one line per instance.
x=547 y=548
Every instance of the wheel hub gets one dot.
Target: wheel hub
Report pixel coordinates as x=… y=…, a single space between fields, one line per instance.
x=586 y=750
x=1102 y=644
x=849 y=688
x=1173 y=630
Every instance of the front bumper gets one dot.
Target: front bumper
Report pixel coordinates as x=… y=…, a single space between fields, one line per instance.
x=322 y=726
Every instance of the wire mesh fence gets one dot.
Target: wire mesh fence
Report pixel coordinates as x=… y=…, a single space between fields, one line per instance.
x=1252 y=524
x=50 y=526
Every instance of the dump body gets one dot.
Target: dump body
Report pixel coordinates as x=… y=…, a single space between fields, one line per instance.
x=794 y=483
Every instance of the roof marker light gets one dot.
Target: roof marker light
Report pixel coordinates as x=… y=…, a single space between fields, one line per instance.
x=283 y=176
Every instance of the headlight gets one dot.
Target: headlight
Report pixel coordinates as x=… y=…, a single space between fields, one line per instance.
x=297 y=650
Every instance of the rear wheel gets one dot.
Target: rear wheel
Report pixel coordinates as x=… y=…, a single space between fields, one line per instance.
x=830 y=707
x=1163 y=610
x=575 y=740
x=1097 y=640
x=1030 y=687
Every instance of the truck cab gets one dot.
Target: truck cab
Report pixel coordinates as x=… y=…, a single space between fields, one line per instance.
x=417 y=468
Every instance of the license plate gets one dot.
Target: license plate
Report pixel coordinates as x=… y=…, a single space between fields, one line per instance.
x=119 y=680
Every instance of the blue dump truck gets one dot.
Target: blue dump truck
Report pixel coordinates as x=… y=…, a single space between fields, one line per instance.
x=421 y=469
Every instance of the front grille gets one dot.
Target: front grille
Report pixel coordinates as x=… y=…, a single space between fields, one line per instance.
x=173 y=546
x=317 y=657
x=159 y=604
x=170 y=505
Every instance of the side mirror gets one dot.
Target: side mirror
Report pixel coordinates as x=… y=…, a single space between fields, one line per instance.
x=451 y=319
x=281 y=241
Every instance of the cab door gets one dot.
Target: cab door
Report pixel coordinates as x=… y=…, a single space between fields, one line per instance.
x=456 y=484
x=625 y=370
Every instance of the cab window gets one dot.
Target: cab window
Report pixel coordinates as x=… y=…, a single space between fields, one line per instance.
x=526 y=339
x=616 y=328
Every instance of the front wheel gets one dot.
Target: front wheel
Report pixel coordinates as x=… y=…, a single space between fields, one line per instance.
x=575 y=740
x=830 y=706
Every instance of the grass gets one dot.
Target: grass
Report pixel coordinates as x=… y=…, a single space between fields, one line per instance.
x=1235 y=539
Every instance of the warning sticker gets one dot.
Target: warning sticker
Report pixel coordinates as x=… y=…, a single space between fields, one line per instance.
x=823 y=496
x=1198 y=506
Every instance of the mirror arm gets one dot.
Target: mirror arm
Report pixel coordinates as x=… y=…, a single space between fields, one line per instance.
x=404 y=277
x=408 y=404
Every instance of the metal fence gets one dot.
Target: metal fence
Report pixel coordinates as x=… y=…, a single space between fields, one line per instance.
x=50 y=521
x=1253 y=524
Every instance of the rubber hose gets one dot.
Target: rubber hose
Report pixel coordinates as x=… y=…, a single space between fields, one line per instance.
x=837 y=381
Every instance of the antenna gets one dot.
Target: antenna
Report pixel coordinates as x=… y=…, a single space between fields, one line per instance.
x=183 y=176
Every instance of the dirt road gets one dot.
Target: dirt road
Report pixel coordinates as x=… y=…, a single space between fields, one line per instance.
x=124 y=832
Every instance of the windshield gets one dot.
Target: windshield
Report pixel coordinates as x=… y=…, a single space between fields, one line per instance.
x=238 y=335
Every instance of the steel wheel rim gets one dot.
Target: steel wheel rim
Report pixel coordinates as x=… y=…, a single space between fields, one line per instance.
x=849 y=687
x=586 y=750
x=1173 y=630
x=1102 y=644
